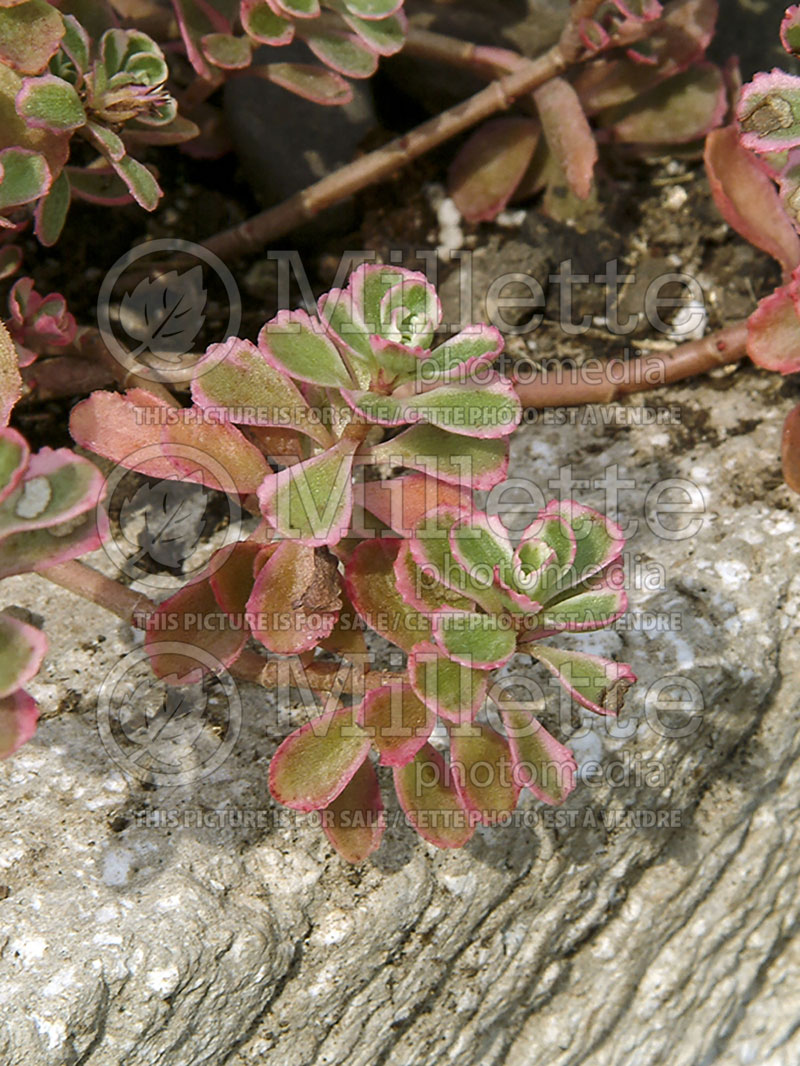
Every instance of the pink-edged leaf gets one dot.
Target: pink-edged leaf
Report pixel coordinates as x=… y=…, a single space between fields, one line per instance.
x=540 y=763
x=372 y=587
x=773 y=331
x=22 y=648
x=354 y=822
x=24 y=177
x=479 y=641
x=489 y=410
x=347 y=636
x=384 y=36
x=232 y=573
x=10 y=377
x=140 y=182
x=790 y=30
x=229 y=461
x=98 y=185
x=488 y=168
x=39 y=548
x=302 y=9
x=235 y=382
x=373 y=9
x=747 y=197
x=14 y=455
x=49 y=102
x=682 y=109
x=341 y=316
x=790 y=449
x=598 y=541
x=51 y=211
x=343 y=52
x=295 y=344
x=447 y=688
x=568 y=133
x=679 y=39
x=120 y=427
x=315 y=763
x=420 y=588
x=459 y=356
x=768 y=112
x=56 y=487
x=295 y=599
x=401 y=502
x=479 y=463
x=595 y=683
x=18 y=716
x=481 y=765
x=312 y=500
x=10 y=260
x=262 y=24
x=316 y=84
x=191 y=619
x=428 y=795
x=397 y=722
x=481 y=546
x=226 y=50
x=596 y=604
x=30 y=34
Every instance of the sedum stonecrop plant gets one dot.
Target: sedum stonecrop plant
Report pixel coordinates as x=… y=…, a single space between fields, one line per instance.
x=308 y=426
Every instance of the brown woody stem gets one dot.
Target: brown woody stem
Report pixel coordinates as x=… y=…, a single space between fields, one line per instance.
x=607 y=382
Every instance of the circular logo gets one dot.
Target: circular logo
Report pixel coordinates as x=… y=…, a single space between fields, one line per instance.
x=150 y=325
x=167 y=735
x=164 y=525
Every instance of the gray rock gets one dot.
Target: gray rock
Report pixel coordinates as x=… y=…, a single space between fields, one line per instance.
x=133 y=932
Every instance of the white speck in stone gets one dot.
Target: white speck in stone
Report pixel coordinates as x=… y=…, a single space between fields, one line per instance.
x=459 y=884
x=733 y=572
x=117 y=866
x=55 y=1031
x=59 y=981
x=30 y=949
x=675 y=197
x=163 y=981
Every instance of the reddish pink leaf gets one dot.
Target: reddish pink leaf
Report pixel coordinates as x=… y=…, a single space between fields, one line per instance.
x=355 y=822
x=568 y=133
x=490 y=166
x=118 y=427
x=427 y=793
x=541 y=764
x=481 y=764
x=747 y=197
x=18 y=715
x=397 y=721
x=773 y=332
x=372 y=587
x=401 y=502
x=214 y=454
x=790 y=449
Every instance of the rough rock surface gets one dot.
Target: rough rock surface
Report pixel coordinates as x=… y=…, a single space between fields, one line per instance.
x=590 y=939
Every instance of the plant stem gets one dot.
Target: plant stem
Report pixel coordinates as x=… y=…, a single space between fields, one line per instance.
x=255 y=232
x=135 y=608
x=608 y=382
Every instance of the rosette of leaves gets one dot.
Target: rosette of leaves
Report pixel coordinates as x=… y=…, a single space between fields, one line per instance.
x=347 y=36
x=297 y=425
x=461 y=600
x=48 y=514
x=112 y=94
x=647 y=86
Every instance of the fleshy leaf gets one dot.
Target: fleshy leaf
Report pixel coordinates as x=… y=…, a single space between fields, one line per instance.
x=480 y=641
x=51 y=211
x=295 y=599
x=372 y=587
x=56 y=487
x=490 y=410
x=597 y=684
x=401 y=502
x=120 y=427
x=454 y=359
x=428 y=795
x=373 y=9
x=242 y=387
x=790 y=30
x=22 y=648
x=262 y=24
x=540 y=763
x=18 y=715
x=315 y=763
x=232 y=462
x=39 y=548
x=480 y=762
x=682 y=109
x=384 y=36
x=316 y=84
x=347 y=636
x=421 y=589
x=10 y=377
x=48 y=102
x=769 y=112
x=747 y=197
x=354 y=822
x=312 y=500
x=227 y=51
x=24 y=176
x=14 y=455
x=487 y=170
x=568 y=133
x=480 y=463
x=600 y=604
x=773 y=331
x=295 y=344
x=231 y=573
x=447 y=688
x=191 y=619
x=598 y=540
x=398 y=723
x=30 y=34
x=140 y=183
x=342 y=52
